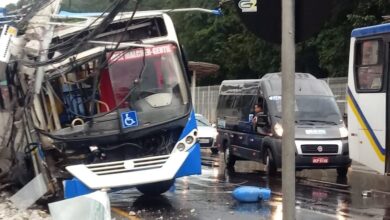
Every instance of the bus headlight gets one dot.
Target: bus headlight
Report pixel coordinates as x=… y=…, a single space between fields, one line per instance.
x=278 y=129
x=343 y=132
x=181 y=147
x=186 y=142
x=189 y=140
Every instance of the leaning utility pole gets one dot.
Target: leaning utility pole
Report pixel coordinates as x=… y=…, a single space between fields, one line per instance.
x=42 y=20
x=38 y=37
x=288 y=102
x=37 y=40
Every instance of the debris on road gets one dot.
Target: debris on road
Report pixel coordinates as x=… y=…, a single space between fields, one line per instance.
x=251 y=193
x=30 y=193
x=9 y=211
x=92 y=206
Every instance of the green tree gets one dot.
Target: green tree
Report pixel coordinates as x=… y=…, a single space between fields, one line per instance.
x=225 y=41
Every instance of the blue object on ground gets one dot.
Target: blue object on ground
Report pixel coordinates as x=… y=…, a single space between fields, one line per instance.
x=74 y=188
x=251 y=193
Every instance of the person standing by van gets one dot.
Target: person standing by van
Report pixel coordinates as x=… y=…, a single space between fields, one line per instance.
x=258 y=119
x=257 y=111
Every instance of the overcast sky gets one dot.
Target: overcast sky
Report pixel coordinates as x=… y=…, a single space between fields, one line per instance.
x=3 y=3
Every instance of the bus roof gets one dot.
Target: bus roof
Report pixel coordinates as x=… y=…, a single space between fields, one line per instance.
x=89 y=21
x=371 y=30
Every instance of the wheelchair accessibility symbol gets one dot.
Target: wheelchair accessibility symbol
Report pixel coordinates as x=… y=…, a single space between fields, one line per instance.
x=129 y=119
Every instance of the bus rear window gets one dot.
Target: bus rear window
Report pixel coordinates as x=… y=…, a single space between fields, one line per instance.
x=368 y=52
x=368 y=66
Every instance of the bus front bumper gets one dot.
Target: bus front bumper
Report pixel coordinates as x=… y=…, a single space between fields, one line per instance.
x=129 y=173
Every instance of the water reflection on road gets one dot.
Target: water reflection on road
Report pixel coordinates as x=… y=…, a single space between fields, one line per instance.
x=320 y=194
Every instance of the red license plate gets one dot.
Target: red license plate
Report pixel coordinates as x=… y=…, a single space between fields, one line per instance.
x=320 y=160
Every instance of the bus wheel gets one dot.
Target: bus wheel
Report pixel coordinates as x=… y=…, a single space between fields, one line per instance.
x=155 y=189
x=230 y=159
x=342 y=171
x=269 y=162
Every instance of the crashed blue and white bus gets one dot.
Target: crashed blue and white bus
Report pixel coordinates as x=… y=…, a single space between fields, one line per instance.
x=118 y=113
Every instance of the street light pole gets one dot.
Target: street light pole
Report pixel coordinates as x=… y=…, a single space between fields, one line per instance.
x=288 y=103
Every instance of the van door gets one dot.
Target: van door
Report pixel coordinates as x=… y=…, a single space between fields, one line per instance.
x=255 y=138
x=244 y=139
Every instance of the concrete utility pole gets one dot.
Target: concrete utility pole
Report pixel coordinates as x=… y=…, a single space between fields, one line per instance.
x=38 y=38
x=288 y=103
x=44 y=17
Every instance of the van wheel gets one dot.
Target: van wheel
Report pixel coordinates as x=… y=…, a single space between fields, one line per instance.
x=342 y=171
x=230 y=159
x=155 y=189
x=269 y=162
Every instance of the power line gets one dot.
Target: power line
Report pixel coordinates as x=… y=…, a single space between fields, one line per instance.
x=118 y=5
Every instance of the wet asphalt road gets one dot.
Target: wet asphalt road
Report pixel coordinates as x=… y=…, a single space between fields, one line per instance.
x=319 y=195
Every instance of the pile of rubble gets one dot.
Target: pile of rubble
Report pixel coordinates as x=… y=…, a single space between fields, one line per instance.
x=9 y=211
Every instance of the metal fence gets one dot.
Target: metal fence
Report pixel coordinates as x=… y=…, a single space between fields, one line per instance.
x=206 y=97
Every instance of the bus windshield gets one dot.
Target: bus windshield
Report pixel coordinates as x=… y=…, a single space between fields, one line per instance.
x=150 y=81
x=310 y=109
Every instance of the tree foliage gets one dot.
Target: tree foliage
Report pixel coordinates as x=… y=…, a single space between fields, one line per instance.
x=225 y=41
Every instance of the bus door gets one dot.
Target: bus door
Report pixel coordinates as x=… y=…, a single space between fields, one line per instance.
x=367 y=98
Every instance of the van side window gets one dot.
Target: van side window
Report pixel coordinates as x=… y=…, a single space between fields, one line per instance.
x=245 y=106
x=368 y=66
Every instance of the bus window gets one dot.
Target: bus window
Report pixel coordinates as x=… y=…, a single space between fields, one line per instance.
x=368 y=66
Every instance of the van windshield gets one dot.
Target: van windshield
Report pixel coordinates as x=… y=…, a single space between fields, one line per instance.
x=310 y=109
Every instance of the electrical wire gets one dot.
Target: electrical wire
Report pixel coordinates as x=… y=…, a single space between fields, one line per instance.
x=75 y=37
x=104 y=65
x=56 y=137
x=110 y=148
x=116 y=47
x=34 y=9
x=118 y=5
x=71 y=46
x=117 y=106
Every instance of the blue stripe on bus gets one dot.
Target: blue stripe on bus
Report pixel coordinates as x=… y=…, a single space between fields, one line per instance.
x=192 y=165
x=190 y=126
x=361 y=115
x=371 y=30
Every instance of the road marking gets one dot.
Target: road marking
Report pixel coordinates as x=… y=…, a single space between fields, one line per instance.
x=124 y=214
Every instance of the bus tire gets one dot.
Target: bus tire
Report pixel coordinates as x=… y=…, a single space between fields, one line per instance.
x=230 y=159
x=155 y=189
x=269 y=162
x=342 y=171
